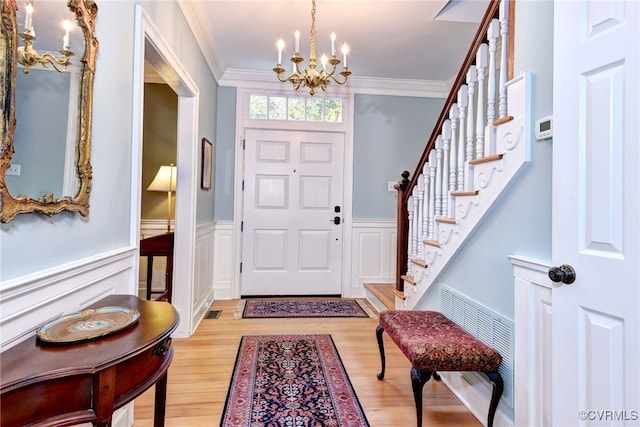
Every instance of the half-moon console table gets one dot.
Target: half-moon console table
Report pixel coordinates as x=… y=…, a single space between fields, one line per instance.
x=59 y=385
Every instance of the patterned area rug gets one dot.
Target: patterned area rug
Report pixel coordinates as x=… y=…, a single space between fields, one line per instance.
x=254 y=308
x=290 y=380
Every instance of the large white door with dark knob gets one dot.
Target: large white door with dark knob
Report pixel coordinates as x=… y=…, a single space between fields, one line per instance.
x=292 y=231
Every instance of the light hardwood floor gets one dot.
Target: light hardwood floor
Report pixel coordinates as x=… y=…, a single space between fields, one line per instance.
x=201 y=370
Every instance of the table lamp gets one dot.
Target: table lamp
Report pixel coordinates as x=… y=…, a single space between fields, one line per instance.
x=165 y=181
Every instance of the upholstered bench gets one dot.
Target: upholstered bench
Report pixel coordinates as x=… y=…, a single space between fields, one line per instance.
x=434 y=343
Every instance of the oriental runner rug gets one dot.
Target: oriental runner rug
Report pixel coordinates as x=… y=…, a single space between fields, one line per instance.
x=290 y=380
x=255 y=308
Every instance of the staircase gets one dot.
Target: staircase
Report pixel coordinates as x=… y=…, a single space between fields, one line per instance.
x=435 y=240
x=478 y=148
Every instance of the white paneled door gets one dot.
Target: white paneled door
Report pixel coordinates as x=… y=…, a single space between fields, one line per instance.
x=596 y=213
x=293 y=196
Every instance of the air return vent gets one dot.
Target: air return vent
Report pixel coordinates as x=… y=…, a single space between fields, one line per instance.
x=486 y=325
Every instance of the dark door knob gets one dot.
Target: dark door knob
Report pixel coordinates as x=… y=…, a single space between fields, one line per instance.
x=336 y=220
x=565 y=274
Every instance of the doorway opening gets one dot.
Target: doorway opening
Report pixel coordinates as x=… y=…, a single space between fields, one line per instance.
x=151 y=49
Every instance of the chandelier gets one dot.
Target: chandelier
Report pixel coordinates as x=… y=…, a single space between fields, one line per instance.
x=311 y=77
x=28 y=56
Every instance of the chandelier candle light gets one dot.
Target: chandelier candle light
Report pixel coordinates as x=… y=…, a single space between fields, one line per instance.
x=28 y=56
x=312 y=78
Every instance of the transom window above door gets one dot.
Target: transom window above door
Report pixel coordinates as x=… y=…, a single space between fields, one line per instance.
x=296 y=108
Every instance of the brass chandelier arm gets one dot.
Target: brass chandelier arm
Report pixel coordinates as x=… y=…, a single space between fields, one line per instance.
x=344 y=73
x=28 y=60
x=28 y=56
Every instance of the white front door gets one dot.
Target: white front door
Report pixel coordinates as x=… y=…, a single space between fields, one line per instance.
x=596 y=215
x=293 y=191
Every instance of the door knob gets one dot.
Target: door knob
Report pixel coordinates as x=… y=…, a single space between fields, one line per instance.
x=565 y=274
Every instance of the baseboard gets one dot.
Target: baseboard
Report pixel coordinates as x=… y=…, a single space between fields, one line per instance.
x=222 y=294
x=475 y=400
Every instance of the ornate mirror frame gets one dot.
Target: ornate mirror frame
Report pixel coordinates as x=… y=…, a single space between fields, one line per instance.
x=85 y=11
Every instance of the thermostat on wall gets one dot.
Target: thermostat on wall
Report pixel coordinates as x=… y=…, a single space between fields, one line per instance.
x=544 y=128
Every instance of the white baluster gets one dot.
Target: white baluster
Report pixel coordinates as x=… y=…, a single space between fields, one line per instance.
x=453 y=157
x=412 y=221
x=432 y=192
x=504 y=42
x=492 y=34
x=410 y=239
x=438 y=210
x=471 y=88
x=481 y=66
x=446 y=141
x=462 y=108
x=425 y=206
x=416 y=236
x=418 y=219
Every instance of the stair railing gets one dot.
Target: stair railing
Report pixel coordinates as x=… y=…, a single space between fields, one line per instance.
x=463 y=132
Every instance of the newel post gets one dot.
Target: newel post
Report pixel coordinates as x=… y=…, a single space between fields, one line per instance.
x=403 y=230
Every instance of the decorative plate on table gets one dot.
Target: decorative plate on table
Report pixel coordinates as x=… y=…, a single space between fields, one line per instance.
x=88 y=324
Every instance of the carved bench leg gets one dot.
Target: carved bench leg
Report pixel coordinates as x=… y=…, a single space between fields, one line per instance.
x=498 y=388
x=379 y=331
x=418 y=380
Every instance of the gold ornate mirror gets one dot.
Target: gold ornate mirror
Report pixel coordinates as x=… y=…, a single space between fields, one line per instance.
x=47 y=96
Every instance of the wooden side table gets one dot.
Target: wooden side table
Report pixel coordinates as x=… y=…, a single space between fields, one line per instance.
x=160 y=245
x=61 y=385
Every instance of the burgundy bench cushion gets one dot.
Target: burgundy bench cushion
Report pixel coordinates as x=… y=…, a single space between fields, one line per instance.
x=432 y=342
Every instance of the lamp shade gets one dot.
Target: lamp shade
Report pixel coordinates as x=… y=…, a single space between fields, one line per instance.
x=165 y=179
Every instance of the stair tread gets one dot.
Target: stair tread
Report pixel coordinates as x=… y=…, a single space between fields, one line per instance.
x=408 y=279
x=384 y=292
x=419 y=262
x=487 y=159
x=502 y=120
x=464 y=193
x=433 y=243
x=446 y=220
x=399 y=294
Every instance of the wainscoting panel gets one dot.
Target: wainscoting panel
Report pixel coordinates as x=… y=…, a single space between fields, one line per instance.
x=223 y=260
x=373 y=254
x=28 y=302
x=203 y=287
x=533 y=315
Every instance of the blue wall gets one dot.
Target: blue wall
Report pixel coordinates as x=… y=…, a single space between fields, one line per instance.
x=390 y=133
x=225 y=153
x=32 y=243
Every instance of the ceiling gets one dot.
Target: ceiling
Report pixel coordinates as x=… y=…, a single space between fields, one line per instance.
x=414 y=40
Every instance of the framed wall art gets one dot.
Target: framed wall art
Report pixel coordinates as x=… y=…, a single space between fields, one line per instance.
x=206 y=172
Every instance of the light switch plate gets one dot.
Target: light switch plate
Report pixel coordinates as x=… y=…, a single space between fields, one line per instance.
x=13 y=170
x=390 y=186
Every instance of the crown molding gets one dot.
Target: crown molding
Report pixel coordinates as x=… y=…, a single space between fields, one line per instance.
x=196 y=16
x=359 y=85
